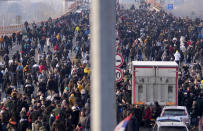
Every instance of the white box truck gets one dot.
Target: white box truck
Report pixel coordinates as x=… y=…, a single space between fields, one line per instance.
x=154 y=81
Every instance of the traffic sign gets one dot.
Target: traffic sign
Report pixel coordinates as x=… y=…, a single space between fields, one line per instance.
x=119 y=60
x=170 y=6
x=119 y=75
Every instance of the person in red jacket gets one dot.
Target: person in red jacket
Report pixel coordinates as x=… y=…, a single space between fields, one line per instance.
x=148 y=116
x=56 y=48
x=42 y=67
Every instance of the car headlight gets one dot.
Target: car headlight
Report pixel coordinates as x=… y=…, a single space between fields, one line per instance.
x=186 y=120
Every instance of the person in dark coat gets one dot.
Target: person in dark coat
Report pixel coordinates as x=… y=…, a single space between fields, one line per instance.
x=6 y=81
x=157 y=110
x=199 y=105
x=138 y=114
x=29 y=88
x=42 y=86
x=51 y=84
x=1 y=80
x=23 y=124
x=133 y=123
x=148 y=116
x=58 y=125
x=64 y=83
x=75 y=116
x=34 y=115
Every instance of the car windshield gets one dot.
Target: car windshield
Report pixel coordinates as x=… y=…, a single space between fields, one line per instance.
x=174 y=112
x=169 y=120
x=172 y=128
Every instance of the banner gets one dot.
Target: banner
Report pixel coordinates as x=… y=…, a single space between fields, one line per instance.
x=123 y=124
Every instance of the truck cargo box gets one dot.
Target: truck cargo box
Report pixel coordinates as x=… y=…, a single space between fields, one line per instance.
x=154 y=81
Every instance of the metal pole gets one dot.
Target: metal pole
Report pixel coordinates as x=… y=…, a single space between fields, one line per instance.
x=103 y=34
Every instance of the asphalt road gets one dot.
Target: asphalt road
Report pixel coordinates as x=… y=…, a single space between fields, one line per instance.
x=145 y=129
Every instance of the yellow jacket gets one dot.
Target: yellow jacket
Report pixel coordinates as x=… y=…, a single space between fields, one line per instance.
x=87 y=70
x=77 y=28
x=80 y=87
x=71 y=100
x=58 y=36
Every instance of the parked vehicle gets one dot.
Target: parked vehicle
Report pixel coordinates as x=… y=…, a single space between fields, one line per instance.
x=170 y=126
x=177 y=111
x=168 y=119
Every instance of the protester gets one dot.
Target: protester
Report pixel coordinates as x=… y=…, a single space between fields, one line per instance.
x=46 y=84
x=144 y=34
x=46 y=81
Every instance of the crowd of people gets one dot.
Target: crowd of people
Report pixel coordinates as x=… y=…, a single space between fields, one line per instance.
x=146 y=35
x=46 y=84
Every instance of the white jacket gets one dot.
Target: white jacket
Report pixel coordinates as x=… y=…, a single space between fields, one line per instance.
x=177 y=56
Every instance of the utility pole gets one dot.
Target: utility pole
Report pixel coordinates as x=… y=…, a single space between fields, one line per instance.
x=103 y=35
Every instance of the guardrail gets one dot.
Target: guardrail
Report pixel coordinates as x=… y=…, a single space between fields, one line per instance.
x=7 y=30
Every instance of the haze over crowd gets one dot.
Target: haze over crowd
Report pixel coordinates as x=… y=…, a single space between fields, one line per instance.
x=38 y=10
x=30 y=10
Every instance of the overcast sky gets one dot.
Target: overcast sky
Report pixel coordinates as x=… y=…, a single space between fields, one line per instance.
x=184 y=8
x=192 y=8
x=30 y=10
x=54 y=8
